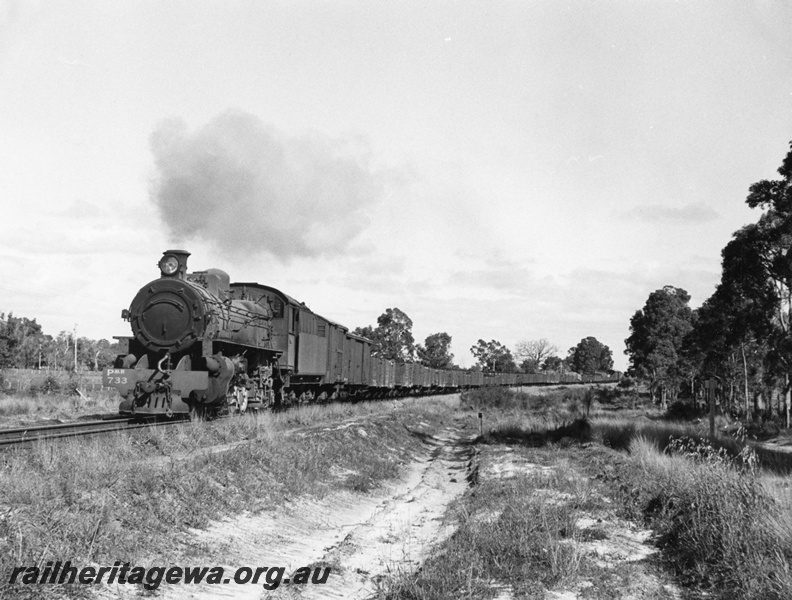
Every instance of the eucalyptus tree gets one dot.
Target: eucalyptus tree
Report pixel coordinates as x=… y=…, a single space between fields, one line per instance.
x=736 y=323
x=589 y=356
x=392 y=338
x=20 y=339
x=493 y=356
x=765 y=248
x=435 y=351
x=744 y=329
x=553 y=364
x=657 y=334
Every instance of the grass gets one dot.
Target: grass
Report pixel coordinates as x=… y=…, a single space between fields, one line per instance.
x=134 y=497
x=540 y=401
x=61 y=407
x=531 y=534
x=41 y=382
x=27 y=395
x=620 y=433
x=721 y=527
x=507 y=535
x=538 y=419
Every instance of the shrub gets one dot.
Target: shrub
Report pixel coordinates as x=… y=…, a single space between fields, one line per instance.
x=764 y=429
x=570 y=403
x=50 y=385
x=717 y=524
x=566 y=433
x=494 y=397
x=683 y=411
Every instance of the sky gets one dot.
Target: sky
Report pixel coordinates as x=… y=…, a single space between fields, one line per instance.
x=496 y=170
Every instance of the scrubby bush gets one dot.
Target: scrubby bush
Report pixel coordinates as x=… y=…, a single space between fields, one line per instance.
x=569 y=402
x=49 y=386
x=683 y=411
x=71 y=386
x=718 y=526
x=494 y=397
x=764 y=429
x=619 y=396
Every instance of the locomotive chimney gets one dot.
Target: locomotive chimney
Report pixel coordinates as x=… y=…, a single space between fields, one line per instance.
x=173 y=264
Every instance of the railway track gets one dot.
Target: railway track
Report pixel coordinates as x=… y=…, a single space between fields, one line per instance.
x=27 y=435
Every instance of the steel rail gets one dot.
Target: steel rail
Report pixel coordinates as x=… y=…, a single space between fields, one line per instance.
x=26 y=435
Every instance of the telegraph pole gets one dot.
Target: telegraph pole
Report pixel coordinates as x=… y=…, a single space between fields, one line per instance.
x=75 y=347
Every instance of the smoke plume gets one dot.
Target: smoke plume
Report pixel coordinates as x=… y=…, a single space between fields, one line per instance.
x=244 y=186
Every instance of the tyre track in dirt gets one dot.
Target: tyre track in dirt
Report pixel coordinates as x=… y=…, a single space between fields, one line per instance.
x=362 y=537
x=399 y=536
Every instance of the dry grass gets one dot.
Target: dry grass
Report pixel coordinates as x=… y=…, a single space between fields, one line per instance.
x=508 y=534
x=27 y=409
x=130 y=497
x=724 y=525
x=619 y=433
x=35 y=382
x=718 y=525
x=29 y=396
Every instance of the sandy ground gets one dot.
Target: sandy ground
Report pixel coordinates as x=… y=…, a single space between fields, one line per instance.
x=362 y=537
x=613 y=545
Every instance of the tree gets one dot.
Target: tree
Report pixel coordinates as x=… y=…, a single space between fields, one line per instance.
x=20 y=338
x=494 y=357
x=59 y=351
x=742 y=334
x=105 y=354
x=434 y=353
x=24 y=345
x=732 y=328
x=6 y=344
x=392 y=339
x=553 y=363
x=769 y=243
x=657 y=333
x=367 y=332
x=533 y=353
x=590 y=356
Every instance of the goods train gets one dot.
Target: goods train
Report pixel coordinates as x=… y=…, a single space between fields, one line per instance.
x=204 y=346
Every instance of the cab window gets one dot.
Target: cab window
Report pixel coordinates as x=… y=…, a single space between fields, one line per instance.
x=277 y=308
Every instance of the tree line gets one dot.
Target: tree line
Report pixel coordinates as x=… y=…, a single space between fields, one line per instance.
x=23 y=345
x=392 y=339
x=740 y=339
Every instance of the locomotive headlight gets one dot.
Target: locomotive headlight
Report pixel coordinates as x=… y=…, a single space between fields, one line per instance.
x=169 y=265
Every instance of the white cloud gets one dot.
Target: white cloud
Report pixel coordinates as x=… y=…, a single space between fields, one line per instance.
x=692 y=214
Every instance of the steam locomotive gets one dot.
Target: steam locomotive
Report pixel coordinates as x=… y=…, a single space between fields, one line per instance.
x=203 y=346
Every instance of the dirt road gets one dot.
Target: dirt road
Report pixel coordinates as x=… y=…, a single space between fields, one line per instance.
x=361 y=537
